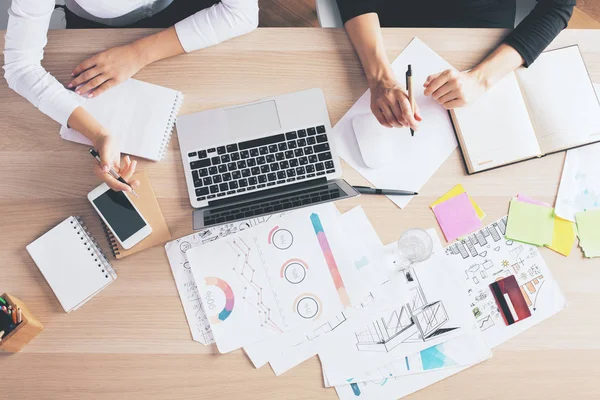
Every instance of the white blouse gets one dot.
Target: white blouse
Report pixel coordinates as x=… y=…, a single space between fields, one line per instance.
x=26 y=37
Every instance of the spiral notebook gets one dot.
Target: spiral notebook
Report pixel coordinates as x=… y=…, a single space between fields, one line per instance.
x=150 y=209
x=72 y=263
x=141 y=115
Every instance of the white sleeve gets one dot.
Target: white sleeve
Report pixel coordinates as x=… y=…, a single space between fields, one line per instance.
x=23 y=52
x=225 y=20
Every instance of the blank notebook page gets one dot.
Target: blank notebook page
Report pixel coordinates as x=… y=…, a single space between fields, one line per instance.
x=496 y=128
x=140 y=114
x=73 y=272
x=561 y=100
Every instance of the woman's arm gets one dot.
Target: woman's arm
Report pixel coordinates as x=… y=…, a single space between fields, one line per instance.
x=23 y=52
x=454 y=89
x=389 y=100
x=223 y=21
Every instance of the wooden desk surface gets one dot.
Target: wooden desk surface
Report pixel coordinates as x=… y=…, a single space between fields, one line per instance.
x=132 y=341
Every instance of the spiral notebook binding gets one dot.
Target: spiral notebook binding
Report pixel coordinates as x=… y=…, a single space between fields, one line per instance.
x=94 y=249
x=112 y=241
x=170 y=125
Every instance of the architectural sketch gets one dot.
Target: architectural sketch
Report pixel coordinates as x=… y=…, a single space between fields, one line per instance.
x=418 y=320
x=476 y=243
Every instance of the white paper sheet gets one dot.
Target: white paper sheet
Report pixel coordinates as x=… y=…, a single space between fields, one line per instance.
x=486 y=256
x=580 y=180
x=182 y=273
x=280 y=276
x=417 y=157
x=364 y=274
x=395 y=388
x=461 y=351
x=424 y=306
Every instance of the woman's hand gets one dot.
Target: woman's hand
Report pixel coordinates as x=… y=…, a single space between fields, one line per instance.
x=391 y=106
x=110 y=157
x=104 y=70
x=454 y=89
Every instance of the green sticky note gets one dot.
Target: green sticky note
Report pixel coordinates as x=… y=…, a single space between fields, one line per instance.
x=588 y=225
x=530 y=223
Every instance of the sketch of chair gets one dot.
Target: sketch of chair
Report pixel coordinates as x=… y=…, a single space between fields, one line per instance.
x=415 y=321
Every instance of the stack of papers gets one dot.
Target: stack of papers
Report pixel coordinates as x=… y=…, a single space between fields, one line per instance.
x=317 y=282
x=457 y=213
x=534 y=222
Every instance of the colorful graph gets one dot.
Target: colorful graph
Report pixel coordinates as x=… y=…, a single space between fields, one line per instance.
x=327 y=253
x=229 y=299
x=294 y=270
x=280 y=238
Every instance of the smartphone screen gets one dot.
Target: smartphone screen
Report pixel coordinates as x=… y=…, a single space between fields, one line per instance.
x=116 y=208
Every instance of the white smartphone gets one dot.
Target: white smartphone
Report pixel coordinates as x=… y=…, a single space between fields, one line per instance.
x=120 y=215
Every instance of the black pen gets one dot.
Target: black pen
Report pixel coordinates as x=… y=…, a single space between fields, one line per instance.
x=411 y=95
x=112 y=172
x=387 y=192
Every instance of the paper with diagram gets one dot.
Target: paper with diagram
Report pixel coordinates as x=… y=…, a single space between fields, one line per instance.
x=461 y=351
x=268 y=280
x=579 y=188
x=417 y=158
x=421 y=307
x=362 y=275
x=487 y=256
x=182 y=273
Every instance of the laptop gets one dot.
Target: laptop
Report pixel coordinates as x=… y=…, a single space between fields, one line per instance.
x=261 y=158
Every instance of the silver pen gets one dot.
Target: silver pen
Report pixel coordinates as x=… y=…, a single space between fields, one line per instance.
x=112 y=172
x=388 y=192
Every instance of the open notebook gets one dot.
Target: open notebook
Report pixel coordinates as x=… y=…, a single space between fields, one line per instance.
x=546 y=108
x=72 y=263
x=140 y=114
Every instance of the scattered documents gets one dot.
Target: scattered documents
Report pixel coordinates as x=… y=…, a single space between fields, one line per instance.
x=182 y=273
x=530 y=223
x=280 y=276
x=423 y=306
x=455 y=191
x=487 y=256
x=457 y=217
x=416 y=158
x=588 y=227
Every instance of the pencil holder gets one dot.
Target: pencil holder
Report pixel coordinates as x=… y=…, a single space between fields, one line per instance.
x=27 y=329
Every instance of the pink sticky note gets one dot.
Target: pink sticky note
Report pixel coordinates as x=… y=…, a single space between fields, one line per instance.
x=527 y=199
x=457 y=217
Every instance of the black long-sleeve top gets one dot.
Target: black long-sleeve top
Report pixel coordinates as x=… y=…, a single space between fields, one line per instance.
x=530 y=38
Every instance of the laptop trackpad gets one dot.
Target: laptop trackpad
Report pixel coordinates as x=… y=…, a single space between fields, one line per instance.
x=248 y=121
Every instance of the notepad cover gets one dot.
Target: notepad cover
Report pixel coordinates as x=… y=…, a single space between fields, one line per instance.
x=150 y=209
x=72 y=263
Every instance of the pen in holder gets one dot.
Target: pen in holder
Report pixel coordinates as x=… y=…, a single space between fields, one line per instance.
x=17 y=323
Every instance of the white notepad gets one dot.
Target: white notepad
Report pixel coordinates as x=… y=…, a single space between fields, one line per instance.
x=72 y=263
x=141 y=115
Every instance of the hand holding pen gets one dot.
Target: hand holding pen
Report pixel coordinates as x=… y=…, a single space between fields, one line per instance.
x=116 y=178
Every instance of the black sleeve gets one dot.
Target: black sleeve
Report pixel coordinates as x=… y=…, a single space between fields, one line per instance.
x=540 y=27
x=353 y=8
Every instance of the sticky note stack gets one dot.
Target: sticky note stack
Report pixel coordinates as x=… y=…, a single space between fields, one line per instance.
x=457 y=213
x=588 y=226
x=534 y=222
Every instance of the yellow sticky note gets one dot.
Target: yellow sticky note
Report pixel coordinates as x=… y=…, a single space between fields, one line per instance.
x=563 y=236
x=455 y=191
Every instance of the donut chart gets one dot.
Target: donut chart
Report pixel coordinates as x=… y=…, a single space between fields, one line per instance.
x=229 y=299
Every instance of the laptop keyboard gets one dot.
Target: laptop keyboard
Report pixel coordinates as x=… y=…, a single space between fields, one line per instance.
x=269 y=206
x=259 y=163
